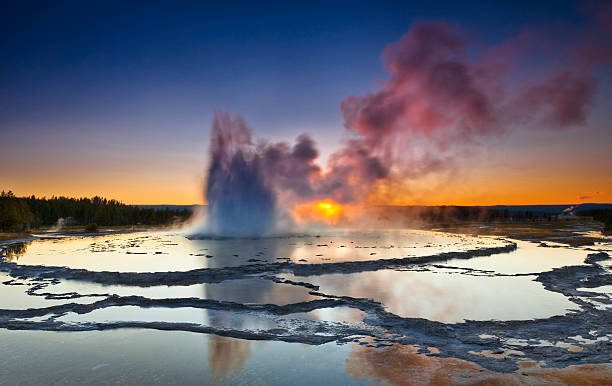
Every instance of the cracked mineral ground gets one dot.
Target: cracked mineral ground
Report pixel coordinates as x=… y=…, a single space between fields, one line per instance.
x=384 y=306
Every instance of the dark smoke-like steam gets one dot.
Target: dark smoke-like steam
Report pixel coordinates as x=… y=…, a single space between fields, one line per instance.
x=438 y=100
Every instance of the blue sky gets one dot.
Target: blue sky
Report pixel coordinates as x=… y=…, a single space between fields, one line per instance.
x=118 y=84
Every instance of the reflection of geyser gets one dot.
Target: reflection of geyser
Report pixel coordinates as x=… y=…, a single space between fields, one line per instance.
x=239 y=201
x=228 y=355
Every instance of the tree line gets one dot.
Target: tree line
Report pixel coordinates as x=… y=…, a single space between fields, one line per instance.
x=601 y=215
x=440 y=214
x=22 y=213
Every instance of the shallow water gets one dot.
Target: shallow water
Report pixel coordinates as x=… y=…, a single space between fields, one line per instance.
x=336 y=307
x=160 y=252
x=249 y=290
x=163 y=357
x=448 y=296
x=529 y=257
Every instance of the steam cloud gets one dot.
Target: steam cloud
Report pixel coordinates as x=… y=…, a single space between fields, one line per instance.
x=240 y=202
x=437 y=100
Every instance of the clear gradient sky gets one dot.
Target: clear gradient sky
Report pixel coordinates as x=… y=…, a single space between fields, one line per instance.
x=103 y=98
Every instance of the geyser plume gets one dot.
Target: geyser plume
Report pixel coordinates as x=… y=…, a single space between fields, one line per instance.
x=239 y=200
x=439 y=100
x=254 y=186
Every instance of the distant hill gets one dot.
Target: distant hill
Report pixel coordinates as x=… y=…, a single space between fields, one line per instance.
x=551 y=209
x=546 y=209
x=590 y=207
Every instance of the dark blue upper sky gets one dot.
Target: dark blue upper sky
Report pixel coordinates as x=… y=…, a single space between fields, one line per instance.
x=166 y=65
x=117 y=82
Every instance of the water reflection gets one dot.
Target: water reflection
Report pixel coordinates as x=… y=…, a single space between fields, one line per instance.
x=403 y=365
x=163 y=251
x=135 y=357
x=226 y=355
x=230 y=355
x=447 y=295
x=14 y=251
x=527 y=258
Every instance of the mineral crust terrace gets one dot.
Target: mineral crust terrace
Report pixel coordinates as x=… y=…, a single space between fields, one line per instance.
x=541 y=340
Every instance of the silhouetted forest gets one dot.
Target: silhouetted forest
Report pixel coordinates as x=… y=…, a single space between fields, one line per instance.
x=441 y=214
x=22 y=213
x=603 y=215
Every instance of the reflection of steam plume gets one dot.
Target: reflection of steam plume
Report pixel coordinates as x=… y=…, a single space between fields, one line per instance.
x=439 y=99
x=402 y=365
x=227 y=355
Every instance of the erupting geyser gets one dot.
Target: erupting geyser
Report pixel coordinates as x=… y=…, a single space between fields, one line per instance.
x=438 y=102
x=239 y=202
x=253 y=187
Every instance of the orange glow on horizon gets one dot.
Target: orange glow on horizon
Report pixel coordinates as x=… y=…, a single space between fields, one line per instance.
x=502 y=185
